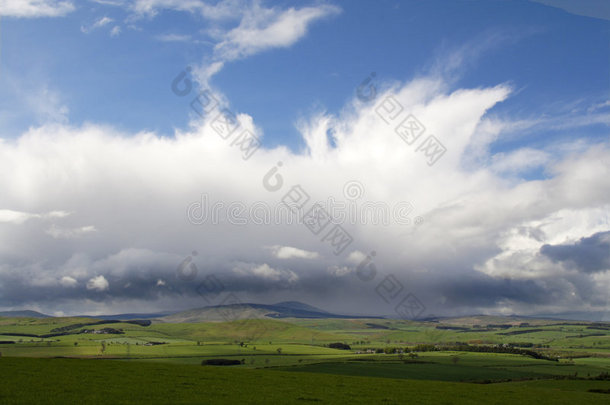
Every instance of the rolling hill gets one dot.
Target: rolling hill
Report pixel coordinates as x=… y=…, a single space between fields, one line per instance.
x=289 y=309
x=23 y=314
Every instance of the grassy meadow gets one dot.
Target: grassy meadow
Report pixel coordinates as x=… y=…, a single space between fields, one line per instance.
x=289 y=361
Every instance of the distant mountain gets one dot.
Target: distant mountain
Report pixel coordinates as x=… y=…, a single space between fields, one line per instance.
x=299 y=306
x=539 y=319
x=23 y=314
x=128 y=317
x=289 y=309
x=593 y=316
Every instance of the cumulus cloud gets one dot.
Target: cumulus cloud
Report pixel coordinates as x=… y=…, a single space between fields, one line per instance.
x=265 y=271
x=68 y=281
x=35 y=8
x=289 y=252
x=478 y=249
x=98 y=283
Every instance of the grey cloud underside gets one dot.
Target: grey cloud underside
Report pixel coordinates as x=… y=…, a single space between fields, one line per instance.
x=462 y=290
x=589 y=255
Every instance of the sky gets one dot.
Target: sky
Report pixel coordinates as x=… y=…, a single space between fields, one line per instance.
x=398 y=158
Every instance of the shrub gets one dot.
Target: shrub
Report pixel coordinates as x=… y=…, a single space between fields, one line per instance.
x=220 y=362
x=341 y=346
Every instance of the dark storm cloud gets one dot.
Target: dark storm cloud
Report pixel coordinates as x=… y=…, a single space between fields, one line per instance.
x=480 y=290
x=588 y=255
x=441 y=291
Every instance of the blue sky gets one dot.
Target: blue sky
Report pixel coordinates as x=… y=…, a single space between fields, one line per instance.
x=554 y=59
x=106 y=172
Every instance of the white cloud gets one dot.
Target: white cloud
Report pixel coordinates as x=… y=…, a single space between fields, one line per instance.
x=356 y=257
x=288 y=252
x=102 y=21
x=15 y=217
x=46 y=105
x=261 y=29
x=98 y=283
x=266 y=272
x=35 y=8
x=115 y=3
x=587 y=8
x=70 y=233
x=19 y=217
x=477 y=222
x=174 y=38
x=68 y=281
x=221 y=10
x=340 y=271
x=519 y=160
x=115 y=31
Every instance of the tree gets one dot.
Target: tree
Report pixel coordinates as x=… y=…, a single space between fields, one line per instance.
x=338 y=345
x=455 y=359
x=75 y=343
x=220 y=362
x=103 y=347
x=279 y=350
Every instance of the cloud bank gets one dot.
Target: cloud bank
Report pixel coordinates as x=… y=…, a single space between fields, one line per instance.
x=487 y=240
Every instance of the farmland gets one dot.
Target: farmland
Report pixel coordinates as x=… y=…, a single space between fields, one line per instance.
x=459 y=359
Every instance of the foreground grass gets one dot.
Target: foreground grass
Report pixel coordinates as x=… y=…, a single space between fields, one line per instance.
x=58 y=381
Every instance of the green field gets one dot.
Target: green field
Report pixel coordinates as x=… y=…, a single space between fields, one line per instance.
x=289 y=361
x=30 y=381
